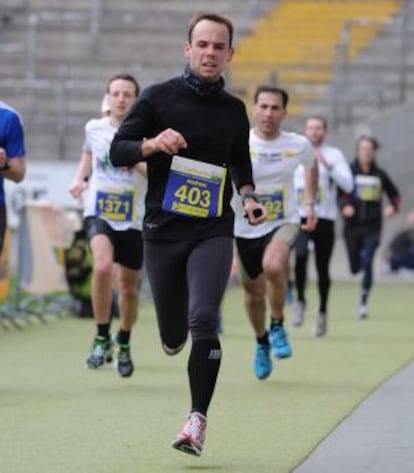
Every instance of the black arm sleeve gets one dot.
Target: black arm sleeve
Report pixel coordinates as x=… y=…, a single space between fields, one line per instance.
x=344 y=198
x=391 y=190
x=126 y=145
x=240 y=163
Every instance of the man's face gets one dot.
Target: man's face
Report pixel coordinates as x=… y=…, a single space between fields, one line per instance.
x=209 y=50
x=269 y=113
x=315 y=131
x=121 y=96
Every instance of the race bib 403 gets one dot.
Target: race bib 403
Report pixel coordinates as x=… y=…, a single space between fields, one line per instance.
x=115 y=206
x=194 y=188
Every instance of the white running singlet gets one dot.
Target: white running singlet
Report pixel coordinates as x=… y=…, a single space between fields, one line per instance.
x=114 y=194
x=339 y=175
x=274 y=163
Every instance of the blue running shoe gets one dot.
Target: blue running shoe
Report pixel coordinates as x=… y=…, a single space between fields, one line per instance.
x=279 y=340
x=262 y=361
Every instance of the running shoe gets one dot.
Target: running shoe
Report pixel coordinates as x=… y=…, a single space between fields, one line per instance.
x=362 y=311
x=101 y=352
x=262 y=362
x=123 y=361
x=298 y=314
x=319 y=329
x=279 y=340
x=191 y=438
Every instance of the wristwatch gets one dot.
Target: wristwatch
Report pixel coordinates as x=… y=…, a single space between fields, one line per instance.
x=249 y=195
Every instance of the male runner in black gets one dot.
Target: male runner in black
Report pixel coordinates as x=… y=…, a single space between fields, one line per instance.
x=195 y=139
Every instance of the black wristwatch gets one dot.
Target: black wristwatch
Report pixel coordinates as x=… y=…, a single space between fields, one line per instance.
x=250 y=195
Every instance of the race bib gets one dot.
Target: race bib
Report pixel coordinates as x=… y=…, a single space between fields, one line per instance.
x=275 y=204
x=194 y=188
x=368 y=188
x=115 y=206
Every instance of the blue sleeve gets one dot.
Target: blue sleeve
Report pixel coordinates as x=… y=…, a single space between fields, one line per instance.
x=14 y=137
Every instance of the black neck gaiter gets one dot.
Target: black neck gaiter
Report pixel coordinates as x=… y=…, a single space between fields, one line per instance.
x=201 y=87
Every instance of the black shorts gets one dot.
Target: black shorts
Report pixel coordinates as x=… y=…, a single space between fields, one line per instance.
x=251 y=250
x=128 y=247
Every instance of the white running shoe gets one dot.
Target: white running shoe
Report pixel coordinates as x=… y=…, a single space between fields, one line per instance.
x=319 y=329
x=191 y=438
x=298 y=314
x=362 y=311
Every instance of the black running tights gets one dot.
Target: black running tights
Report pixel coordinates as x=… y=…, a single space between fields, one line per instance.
x=323 y=238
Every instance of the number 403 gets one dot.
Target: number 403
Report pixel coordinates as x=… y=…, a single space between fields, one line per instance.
x=193 y=195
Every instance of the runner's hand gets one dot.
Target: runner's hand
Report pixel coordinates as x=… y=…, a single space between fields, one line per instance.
x=3 y=157
x=255 y=212
x=77 y=188
x=389 y=211
x=348 y=211
x=169 y=141
x=311 y=219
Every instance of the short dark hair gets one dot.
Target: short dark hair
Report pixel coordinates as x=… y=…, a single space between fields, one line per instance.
x=375 y=143
x=222 y=20
x=127 y=77
x=320 y=118
x=272 y=90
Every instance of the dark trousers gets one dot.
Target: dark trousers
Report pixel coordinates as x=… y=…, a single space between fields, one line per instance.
x=361 y=244
x=323 y=238
x=188 y=280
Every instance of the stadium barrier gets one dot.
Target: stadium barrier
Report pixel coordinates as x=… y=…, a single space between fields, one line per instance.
x=40 y=286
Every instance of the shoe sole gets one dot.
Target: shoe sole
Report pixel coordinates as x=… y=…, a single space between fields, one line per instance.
x=261 y=378
x=122 y=375
x=172 y=351
x=282 y=356
x=108 y=359
x=185 y=447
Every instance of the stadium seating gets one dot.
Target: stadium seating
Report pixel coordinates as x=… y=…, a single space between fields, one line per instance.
x=60 y=54
x=294 y=45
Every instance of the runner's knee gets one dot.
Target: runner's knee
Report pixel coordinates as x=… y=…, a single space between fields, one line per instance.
x=203 y=323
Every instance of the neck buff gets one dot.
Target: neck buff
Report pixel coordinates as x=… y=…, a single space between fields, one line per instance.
x=202 y=87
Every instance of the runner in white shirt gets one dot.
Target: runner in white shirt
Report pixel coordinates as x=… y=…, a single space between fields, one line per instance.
x=264 y=251
x=334 y=172
x=113 y=212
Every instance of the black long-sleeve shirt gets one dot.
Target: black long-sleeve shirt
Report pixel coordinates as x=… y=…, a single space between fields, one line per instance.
x=367 y=196
x=216 y=129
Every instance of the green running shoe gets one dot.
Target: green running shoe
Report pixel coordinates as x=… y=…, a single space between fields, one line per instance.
x=101 y=352
x=123 y=361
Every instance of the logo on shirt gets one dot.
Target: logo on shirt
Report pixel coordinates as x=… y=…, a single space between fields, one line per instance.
x=265 y=156
x=289 y=153
x=106 y=166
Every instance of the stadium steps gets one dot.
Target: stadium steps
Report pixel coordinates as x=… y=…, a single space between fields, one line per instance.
x=294 y=45
x=137 y=36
